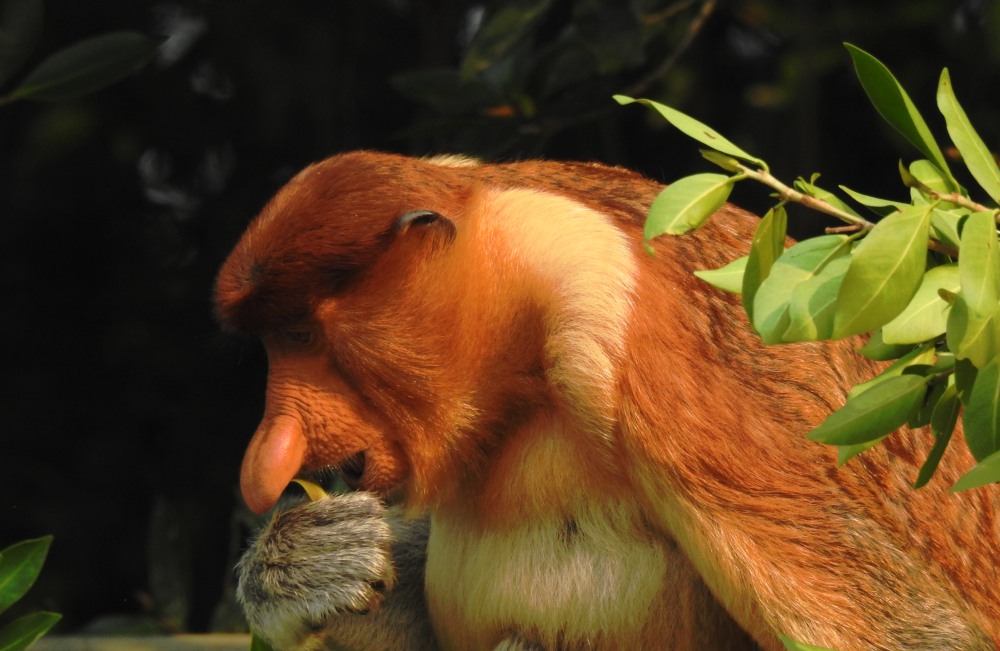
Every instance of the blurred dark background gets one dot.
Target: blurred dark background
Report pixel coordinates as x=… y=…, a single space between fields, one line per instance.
x=124 y=413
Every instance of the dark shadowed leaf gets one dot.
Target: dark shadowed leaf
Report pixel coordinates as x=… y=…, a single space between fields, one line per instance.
x=943 y=420
x=926 y=316
x=88 y=66
x=502 y=31
x=965 y=379
x=875 y=413
x=885 y=273
x=693 y=128
x=975 y=153
x=813 y=303
x=767 y=246
x=257 y=644
x=895 y=106
x=20 y=25
x=728 y=278
x=445 y=89
x=985 y=472
x=878 y=350
x=982 y=415
x=22 y=632
x=19 y=567
x=922 y=417
x=685 y=205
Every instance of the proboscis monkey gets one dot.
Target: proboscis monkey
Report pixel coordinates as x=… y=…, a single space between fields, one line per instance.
x=608 y=456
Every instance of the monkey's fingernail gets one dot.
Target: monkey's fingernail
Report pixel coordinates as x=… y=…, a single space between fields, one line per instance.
x=314 y=491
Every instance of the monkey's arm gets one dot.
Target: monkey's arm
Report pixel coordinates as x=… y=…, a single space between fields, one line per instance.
x=338 y=572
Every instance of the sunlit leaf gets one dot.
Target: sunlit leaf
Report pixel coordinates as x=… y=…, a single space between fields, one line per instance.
x=813 y=190
x=926 y=316
x=685 y=205
x=767 y=246
x=923 y=355
x=878 y=350
x=20 y=25
x=792 y=645
x=847 y=452
x=813 y=303
x=22 y=632
x=929 y=175
x=944 y=227
x=796 y=265
x=982 y=415
x=728 y=278
x=885 y=273
x=19 y=567
x=693 y=128
x=895 y=106
x=979 y=264
x=88 y=66
x=943 y=420
x=975 y=153
x=875 y=413
x=972 y=336
x=727 y=163
x=879 y=206
x=985 y=472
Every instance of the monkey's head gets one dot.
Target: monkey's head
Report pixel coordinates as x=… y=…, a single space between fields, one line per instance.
x=376 y=288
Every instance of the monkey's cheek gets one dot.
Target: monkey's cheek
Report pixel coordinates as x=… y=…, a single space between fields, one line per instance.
x=385 y=468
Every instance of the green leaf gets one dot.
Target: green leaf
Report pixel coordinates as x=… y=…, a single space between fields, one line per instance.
x=929 y=175
x=20 y=26
x=923 y=416
x=875 y=413
x=895 y=106
x=767 y=246
x=22 y=632
x=725 y=162
x=881 y=207
x=985 y=472
x=685 y=205
x=812 y=190
x=847 y=452
x=943 y=420
x=796 y=265
x=982 y=414
x=445 y=89
x=885 y=273
x=728 y=278
x=19 y=567
x=974 y=151
x=792 y=645
x=258 y=644
x=926 y=316
x=979 y=264
x=971 y=336
x=965 y=379
x=88 y=66
x=878 y=350
x=944 y=227
x=813 y=303
x=916 y=357
x=695 y=129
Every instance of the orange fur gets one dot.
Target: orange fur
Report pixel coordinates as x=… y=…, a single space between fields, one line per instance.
x=594 y=431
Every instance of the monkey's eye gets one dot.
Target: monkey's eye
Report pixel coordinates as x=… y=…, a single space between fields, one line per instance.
x=299 y=337
x=416 y=218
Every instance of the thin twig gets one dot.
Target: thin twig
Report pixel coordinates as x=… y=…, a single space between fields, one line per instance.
x=853 y=228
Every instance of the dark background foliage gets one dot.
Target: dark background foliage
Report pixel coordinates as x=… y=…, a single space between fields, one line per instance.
x=124 y=413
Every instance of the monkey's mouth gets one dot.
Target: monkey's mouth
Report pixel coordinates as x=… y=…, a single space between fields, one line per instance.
x=352 y=469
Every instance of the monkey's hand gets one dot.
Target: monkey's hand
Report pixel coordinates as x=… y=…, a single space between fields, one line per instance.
x=322 y=574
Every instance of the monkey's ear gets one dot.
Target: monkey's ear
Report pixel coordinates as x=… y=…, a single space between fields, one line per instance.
x=427 y=219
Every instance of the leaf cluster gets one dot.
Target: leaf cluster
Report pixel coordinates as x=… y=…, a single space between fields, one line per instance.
x=80 y=69
x=19 y=567
x=923 y=278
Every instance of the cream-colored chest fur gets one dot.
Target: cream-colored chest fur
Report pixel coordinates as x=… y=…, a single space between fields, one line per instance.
x=594 y=580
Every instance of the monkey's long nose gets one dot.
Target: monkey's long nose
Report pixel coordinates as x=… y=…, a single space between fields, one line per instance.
x=273 y=458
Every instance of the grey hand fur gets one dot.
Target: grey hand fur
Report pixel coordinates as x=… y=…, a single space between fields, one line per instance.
x=341 y=572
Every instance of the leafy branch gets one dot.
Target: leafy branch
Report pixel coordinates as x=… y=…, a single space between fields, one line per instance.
x=896 y=277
